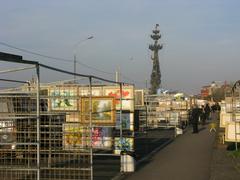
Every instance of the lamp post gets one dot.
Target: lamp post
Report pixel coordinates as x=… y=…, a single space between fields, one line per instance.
x=75 y=56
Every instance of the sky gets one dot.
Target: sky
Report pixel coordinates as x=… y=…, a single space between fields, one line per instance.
x=200 y=38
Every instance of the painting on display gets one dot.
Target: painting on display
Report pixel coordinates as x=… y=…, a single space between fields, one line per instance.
x=74 y=136
x=102 y=138
x=7 y=132
x=139 y=98
x=127 y=121
x=232 y=132
x=73 y=117
x=123 y=144
x=63 y=98
x=84 y=91
x=127 y=97
x=103 y=110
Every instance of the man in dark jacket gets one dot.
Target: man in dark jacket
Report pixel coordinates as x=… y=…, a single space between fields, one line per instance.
x=207 y=111
x=196 y=112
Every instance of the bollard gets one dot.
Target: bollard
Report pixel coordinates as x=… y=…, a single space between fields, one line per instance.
x=127 y=161
x=178 y=131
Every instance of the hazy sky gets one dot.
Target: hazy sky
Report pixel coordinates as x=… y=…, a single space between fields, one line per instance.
x=200 y=38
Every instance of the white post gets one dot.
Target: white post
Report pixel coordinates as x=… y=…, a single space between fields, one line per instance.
x=90 y=125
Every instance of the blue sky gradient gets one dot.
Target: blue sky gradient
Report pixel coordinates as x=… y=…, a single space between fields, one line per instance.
x=200 y=38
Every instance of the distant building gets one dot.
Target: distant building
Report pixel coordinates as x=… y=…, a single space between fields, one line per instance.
x=206 y=91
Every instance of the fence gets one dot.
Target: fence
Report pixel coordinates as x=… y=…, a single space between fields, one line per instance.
x=51 y=131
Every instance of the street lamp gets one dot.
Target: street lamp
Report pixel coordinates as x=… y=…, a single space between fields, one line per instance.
x=75 y=56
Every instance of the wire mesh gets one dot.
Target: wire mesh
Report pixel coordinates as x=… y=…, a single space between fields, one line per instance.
x=60 y=155
x=51 y=131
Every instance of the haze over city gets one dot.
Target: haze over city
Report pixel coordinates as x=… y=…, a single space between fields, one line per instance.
x=200 y=38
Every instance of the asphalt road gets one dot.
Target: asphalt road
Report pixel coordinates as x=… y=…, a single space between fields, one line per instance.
x=187 y=158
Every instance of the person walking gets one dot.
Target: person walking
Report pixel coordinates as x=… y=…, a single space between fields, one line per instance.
x=203 y=115
x=196 y=112
x=207 y=111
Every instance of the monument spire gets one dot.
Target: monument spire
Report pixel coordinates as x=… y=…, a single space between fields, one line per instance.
x=156 y=73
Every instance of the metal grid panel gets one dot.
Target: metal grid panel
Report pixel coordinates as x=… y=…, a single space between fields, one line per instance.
x=18 y=145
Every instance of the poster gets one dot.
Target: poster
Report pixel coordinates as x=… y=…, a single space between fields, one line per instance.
x=63 y=98
x=127 y=121
x=103 y=110
x=102 y=138
x=123 y=144
x=127 y=97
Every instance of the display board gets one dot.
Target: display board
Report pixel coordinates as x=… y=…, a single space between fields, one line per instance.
x=139 y=97
x=85 y=91
x=230 y=132
x=73 y=117
x=77 y=137
x=7 y=131
x=127 y=121
x=74 y=136
x=225 y=118
x=102 y=138
x=164 y=105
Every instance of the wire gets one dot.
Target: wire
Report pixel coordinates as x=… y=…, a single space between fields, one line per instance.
x=63 y=60
x=51 y=57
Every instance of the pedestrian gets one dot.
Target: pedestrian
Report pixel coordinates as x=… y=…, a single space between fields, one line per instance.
x=196 y=112
x=203 y=115
x=207 y=111
x=218 y=109
x=213 y=112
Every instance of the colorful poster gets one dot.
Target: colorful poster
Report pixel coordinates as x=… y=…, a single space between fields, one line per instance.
x=127 y=97
x=102 y=138
x=127 y=121
x=123 y=144
x=63 y=98
x=103 y=110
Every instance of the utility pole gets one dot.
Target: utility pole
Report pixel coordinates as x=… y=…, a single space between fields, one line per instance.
x=156 y=73
x=117 y=75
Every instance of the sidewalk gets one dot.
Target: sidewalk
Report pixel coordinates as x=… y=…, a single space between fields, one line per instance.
x=187 y=158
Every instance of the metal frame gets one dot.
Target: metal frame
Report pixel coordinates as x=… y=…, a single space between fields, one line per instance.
x=37 y=115
x=235 y=109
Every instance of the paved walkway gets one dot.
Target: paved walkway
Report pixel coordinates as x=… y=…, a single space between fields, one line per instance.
x=187 y=158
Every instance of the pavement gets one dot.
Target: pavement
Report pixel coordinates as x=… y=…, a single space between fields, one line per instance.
x=188 y=157
x=224 y=166
x=107 y=167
